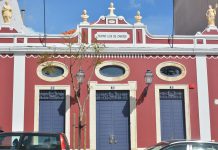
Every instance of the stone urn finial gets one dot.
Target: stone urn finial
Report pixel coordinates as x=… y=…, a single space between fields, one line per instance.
x=138 y=17
x=84 y=16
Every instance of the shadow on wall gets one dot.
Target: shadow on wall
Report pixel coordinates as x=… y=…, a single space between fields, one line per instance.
x=1 y=130
x=72 y=100
x=142 y=96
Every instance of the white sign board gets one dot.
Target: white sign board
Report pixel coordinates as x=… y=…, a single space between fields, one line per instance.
x=109 y=36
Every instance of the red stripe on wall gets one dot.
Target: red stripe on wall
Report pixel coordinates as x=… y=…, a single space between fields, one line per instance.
x=6 y=94
x=168 y=41
x=6 y=40
x=213 y=95
x=52 y=40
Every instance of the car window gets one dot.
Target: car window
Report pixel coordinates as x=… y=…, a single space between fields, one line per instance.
x=9 y=142
x=30 y=141
x=204 y=146
x=177 y=147
x=40 y=142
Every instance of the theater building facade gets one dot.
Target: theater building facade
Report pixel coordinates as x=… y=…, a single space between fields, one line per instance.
x=123 y=111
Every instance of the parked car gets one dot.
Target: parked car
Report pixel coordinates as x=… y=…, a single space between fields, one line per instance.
x=33 y=141
x=185 y=145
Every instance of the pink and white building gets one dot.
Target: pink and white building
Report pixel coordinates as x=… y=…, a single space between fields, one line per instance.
x=122 y=112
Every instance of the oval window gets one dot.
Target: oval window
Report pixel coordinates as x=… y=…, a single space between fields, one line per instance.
x=171 y=71
x=52 y=71
x=112 y=71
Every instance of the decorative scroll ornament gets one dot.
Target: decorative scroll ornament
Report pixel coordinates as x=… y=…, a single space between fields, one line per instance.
x=138 y=17
x=6 y=12
x=112 y=95
x=52 y=95
x=211 y=15
x=84 y=16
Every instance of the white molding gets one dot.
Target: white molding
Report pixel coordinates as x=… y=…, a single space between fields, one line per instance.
x=115 y=49
x=158 y=87
x=131 y=86
x=134 y=37
x=203 y=98
x=49 y=64
x=171 y=63
x=18 y=93
x=89 y=36
x=67 y=106
x=112 y=63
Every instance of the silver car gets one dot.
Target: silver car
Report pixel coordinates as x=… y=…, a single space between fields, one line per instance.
x=185 y=145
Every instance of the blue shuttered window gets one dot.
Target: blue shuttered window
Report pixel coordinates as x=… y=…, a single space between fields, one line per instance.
x=172 y=114
x=52 y=111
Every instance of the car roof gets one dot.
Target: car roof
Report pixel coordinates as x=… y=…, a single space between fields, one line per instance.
x=185 y=141
x=31 y=133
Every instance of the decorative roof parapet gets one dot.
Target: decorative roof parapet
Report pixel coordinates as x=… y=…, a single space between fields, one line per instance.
x=111 y=19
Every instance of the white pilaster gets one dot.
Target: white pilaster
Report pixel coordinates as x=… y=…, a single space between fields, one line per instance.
x=203 y=98
x=18 y=93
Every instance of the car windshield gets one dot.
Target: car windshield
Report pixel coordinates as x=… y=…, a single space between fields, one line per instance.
x=29 y=142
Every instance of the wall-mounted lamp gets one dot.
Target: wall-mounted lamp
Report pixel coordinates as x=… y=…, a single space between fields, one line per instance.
x=148 y=80
x=148 y=77
x=80 y=76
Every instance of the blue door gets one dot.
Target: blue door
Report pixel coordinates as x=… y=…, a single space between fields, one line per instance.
x=112 y=124
x=52 y=111
x=172 y=114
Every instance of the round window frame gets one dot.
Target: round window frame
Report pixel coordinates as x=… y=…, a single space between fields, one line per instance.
x=112 y=63
x=174 y=64
x=53 y=63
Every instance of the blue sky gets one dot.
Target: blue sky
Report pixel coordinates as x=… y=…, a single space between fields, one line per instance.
x=63 y=15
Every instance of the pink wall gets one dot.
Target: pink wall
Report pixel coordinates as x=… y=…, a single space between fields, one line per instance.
x=145 y=109
x=6 y=93
x=146 y=117
x=32 y=79
x=213 y=94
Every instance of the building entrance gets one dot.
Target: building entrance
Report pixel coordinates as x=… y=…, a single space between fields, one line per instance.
x=112 y=120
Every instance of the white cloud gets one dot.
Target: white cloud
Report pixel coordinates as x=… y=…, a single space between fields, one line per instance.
x=138 y=3
x=134 y=4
